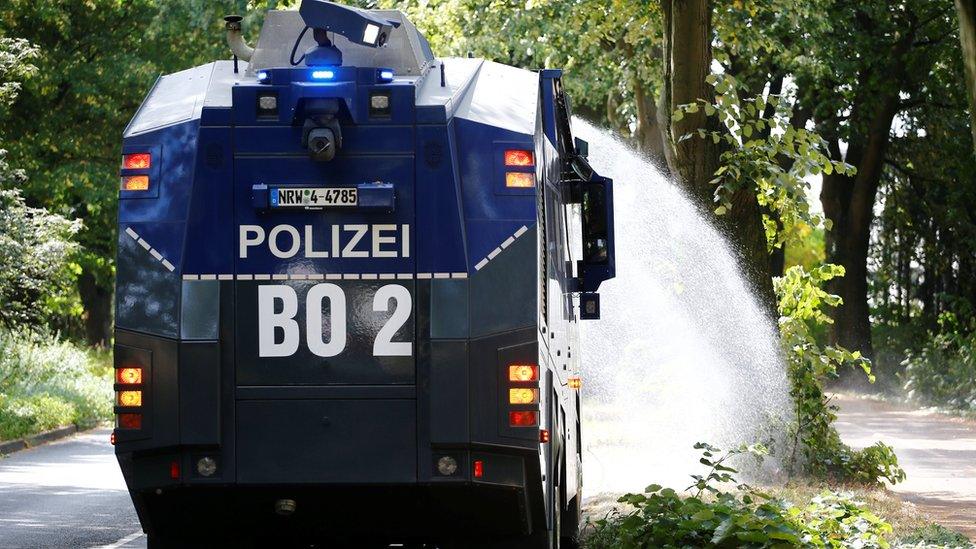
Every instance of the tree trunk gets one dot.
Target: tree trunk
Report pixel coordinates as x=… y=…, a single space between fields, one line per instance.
x=849 y=204
x=693 y=162
x=967 y=35
x=648 y=134
x=97 y=302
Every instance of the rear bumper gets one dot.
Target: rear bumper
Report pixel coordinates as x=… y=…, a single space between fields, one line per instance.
x=348 y=514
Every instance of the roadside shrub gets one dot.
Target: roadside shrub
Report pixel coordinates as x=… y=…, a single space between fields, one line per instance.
x=816 y=447
x=934 y=535
x=25 y=415
x=47 y=383
x=942 y=372
x=709 y=516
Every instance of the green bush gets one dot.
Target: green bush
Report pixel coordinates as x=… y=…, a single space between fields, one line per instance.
x=816 y=447
x=47 y=383
x=934 y=535
x=942 y=372
x=712 y=517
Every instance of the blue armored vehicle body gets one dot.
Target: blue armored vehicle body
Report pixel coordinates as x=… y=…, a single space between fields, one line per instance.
x=349 y=282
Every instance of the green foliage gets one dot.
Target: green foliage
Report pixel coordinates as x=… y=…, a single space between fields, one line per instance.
x=942 y=372
x=35 y=268
x=711 y=516
x=801 y=303
x=47 y=383
x=763 y=152
x=934 y=535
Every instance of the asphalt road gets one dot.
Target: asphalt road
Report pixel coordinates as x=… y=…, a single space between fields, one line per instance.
x=938 y=454
x=67 y=494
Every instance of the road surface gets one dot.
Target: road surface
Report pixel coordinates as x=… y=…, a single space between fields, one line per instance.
x=67 y=494
x=938 y=454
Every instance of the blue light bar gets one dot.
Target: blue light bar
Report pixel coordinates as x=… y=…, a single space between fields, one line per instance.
x=386 y=75
x=263 y=76
x=323 y=75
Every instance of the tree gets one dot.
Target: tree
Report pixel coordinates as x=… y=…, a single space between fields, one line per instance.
x=874 y=62
x=35 y=245
x=687 y=50
x=99 y=59
x=967 y=36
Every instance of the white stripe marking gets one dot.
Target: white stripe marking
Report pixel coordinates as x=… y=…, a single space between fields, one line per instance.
x=262 y=277
x=208 y=277
x=133 y=234
x=191 y=277
x=459 y=275
x=369 y=277
x=481 y=264
x=157 y=255
x=387 y=277
x=521 y=231
x=494 y=253
x=333 y=277
x=424 y=276
x=316 y=277
x=350 y=277
x=404 y=276
x=245 y=277
x=144 y=244
x=169 y=266
x=299 y=277
x=225 y=277
x=124 y=541
x=442 y=275
x=279 y=277
x=508 y=242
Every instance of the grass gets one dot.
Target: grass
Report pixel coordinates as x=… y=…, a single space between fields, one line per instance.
x=47 y=383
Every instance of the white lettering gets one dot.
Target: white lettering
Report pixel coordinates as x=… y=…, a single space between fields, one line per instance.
x=350 y=249
x=379 y=240
x=269 y=321
x=247 y=241
x=310 y=251
x=337 y=320
x=296 y=241
x=384 y=344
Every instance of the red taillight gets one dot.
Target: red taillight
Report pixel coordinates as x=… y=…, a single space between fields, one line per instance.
x=544 y=435
x=523 y=419
x=479 y=468
x=130 y=399
x=519 y=180
x=515 y=157
x=523 y=372
x=128 y=376
x=137 y=161
x=174 y=470
x=135 y=183
x=130 y=421
x=112 y=438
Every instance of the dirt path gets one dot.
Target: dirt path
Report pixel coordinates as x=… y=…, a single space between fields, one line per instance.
x=937 y=452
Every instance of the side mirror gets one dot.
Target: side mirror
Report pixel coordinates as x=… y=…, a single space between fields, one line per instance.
x=598 y=263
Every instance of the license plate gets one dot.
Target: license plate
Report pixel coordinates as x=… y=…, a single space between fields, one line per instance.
x=313 y=197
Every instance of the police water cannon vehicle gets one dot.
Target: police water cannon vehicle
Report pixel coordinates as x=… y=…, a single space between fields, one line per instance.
x=350 y=276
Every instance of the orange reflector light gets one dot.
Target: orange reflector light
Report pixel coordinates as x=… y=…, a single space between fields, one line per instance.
x=174 y=470
x=523 y=372
x=130 y=421
x=519 y=158
x=575 y=382
x=138 y=161
x=519 y=180
x=544 y=436
x=479 y=468
x=130 y=399
x=523 y=396
x=112 y=438
x=128 y=376
x=135 y=183
x=523 y=419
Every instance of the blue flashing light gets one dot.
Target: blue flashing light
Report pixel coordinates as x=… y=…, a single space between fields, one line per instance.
x=386 y=75
x=323 y=75
x=263 y=76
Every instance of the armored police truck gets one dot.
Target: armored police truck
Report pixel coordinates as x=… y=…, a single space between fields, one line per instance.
x=350 y=276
